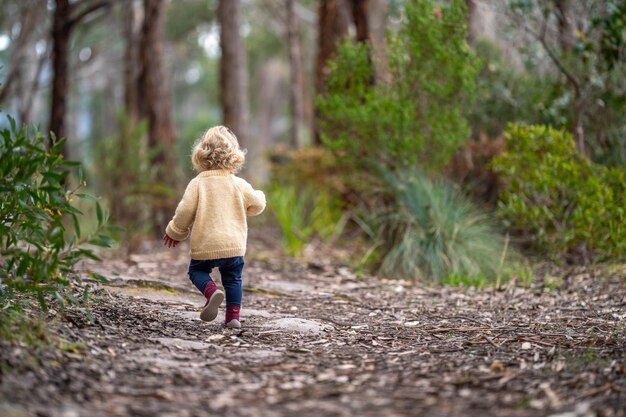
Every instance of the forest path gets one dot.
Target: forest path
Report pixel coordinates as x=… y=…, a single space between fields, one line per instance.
x=318 y=341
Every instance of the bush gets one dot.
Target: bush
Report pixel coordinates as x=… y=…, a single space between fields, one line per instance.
x=37 y=249
x=125 y=178
x=423 y=228
x=309 y=196
x=303 y=213
x=506 y=95
x=558 y=200
x=429 y=231
x=589 y=81
x=417 y=117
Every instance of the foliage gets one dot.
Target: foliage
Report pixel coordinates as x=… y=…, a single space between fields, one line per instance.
x=124 y=176
x=612 y=25
x=592 y=100
x=423 y=229
x=558 y=199
x=16 y=325
x=38 y=250
x=417 y=116
x=308 y=196
x=505 y=95
x=429 y=231
x=180 y=22
x=467 y=281
x=303 y=213
x=314 y=167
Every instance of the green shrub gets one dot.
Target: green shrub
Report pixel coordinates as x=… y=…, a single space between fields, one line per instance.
x=38 y=250
x=303 y=213
x=506 y=94
x=477 y=281
x=417 y=116
x=558 y=200
x=589 y=81
x=125 y=178
x=429 y=231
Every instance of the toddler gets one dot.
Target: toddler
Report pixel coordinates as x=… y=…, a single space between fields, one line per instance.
x=214 y=209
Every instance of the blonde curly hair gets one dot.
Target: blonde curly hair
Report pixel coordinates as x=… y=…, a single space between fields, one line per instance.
x=218 y=148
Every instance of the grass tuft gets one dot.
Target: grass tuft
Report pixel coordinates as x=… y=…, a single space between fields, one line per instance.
x=429 y=231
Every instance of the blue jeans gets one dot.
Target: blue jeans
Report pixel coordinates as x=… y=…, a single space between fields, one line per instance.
x=230 y=269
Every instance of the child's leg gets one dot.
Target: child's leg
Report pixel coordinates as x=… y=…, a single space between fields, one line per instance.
x=199 y=274
x=231 y=280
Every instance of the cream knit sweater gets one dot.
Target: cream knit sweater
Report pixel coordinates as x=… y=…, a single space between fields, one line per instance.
x=216 y=204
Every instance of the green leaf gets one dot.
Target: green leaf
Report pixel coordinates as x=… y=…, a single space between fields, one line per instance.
x=89 y=315
x=115 y=229
x=70 y=164
x=85 y=196
x=76 y=224
x=72 y=298
x=57 y=147
x=99 y=213
x=59 y=298
x=42 y=301
x=24 y=263
x=85 y=295
x=100 y=278
x=89 y=254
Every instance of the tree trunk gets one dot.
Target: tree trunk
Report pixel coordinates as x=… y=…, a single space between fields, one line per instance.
x=270 y=93
x=377 y=26
x=64 y=20
x=333 y=26
x=360 y=16
x=157 y=101
x=31 y=12
x=122 y=180
x=334 y=19
x=566 y=29
x=61 y=30
x=157 y=110
x=297 y=85
x=471 y=21
x=27 y=104
x=131 y=102
x=233 y=71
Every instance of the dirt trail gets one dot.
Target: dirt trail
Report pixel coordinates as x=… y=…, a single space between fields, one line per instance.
x=318 y=341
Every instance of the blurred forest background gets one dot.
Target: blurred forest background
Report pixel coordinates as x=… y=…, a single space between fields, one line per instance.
x=437 y=140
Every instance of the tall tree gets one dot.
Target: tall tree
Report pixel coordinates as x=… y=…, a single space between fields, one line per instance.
x=377 y=28
x=30 y=12
x=566 y=29
x=361 y=21
x=233 y=75
x=33 y=88
x=61 y=29
x=131 y=58
x=297 y=83
x=472 y=15
x=335 y=19
x=157 y=109
x=66 y=16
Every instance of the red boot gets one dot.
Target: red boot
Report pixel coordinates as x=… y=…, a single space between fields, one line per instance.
x=214 y=297
x=232 y=317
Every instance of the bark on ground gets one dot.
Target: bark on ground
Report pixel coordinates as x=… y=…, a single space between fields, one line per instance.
x=319 y=341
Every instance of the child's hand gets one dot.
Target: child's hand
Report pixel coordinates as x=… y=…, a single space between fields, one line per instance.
x=169 y=242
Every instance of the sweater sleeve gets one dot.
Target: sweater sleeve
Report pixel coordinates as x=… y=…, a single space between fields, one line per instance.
x=179 y=227
x=254 y=200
